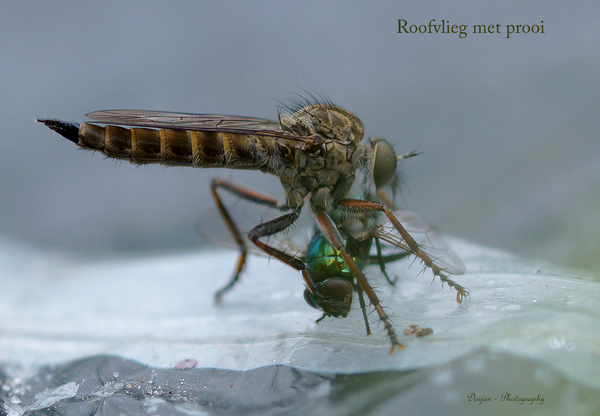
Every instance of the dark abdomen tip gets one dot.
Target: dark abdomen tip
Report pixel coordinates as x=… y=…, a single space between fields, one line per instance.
x=68 y=130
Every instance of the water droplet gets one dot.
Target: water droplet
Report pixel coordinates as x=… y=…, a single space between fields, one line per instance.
x=556 y=342
x=546 y=377
x=186 y=364
x=475 y=365
x=443 y=378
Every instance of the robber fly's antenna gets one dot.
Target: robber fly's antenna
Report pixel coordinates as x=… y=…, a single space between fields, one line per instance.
x=409 y=154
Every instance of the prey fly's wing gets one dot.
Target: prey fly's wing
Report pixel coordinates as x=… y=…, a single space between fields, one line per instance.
x=428 y=240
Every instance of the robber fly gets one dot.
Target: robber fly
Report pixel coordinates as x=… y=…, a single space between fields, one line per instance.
x=314 y=148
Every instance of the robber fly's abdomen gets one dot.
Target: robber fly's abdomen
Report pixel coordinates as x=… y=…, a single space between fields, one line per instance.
x=180 y=147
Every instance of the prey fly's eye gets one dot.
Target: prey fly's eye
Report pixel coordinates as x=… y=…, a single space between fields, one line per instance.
x=336 y=290
x=384 y=163
x=339 y=290
x=310 y=299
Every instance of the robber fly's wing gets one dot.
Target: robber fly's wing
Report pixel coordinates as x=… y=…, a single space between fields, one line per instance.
x=428 y=240
x=188 y=121
x=246 y=216
x=199 y=122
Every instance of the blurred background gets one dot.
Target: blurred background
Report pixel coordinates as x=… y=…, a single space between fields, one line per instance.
x=508 y=127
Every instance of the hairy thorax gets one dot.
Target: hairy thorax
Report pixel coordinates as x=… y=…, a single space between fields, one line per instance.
x=325 y=171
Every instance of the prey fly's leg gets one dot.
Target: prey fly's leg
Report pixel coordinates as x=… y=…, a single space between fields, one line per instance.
x=412 y=245
x=233 y=228
x=388 y=258
x=381 y=260
x=363 y=307
x=331 y=232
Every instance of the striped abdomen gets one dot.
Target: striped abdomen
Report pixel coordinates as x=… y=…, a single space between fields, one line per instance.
x=176 y=147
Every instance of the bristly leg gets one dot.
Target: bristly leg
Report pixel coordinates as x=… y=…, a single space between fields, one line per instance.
x=267 y=229
x=411 y=245
x=330 y=231
x=233 y=228
x=363 y=308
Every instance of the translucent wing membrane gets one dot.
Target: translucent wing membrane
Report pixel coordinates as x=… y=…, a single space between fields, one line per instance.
x=247 y=216
x=429 y=241
x=188 y=121
x=182 y=120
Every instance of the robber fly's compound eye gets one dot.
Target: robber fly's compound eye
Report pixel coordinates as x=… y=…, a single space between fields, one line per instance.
x=384 y=163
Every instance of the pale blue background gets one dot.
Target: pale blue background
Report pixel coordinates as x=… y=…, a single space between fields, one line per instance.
x=508 y=127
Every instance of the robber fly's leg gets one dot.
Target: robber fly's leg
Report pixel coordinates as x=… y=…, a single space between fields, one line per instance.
x=275 y=226
x=232 y=227
x=363 y=307
x=415 y=249
x=272 y=227
x=385 y=199
x=331 y=232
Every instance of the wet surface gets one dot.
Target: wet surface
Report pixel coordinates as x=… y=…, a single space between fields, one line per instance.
x=477 y=384
x=143 y=336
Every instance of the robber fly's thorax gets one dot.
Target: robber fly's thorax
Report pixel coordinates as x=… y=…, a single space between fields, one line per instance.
x=325 y=170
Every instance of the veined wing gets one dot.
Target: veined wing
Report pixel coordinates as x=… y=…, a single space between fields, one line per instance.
x=190 y=121
x=428 y=240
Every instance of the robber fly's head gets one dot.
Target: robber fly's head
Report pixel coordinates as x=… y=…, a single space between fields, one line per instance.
x=333 y=296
